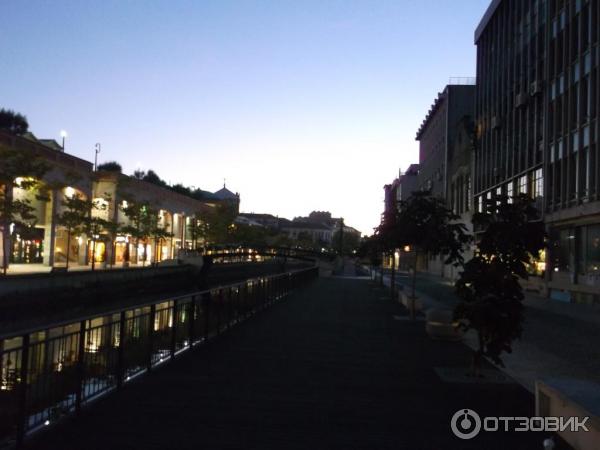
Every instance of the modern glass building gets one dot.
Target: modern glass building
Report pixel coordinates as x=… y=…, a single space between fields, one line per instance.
x=536 y=118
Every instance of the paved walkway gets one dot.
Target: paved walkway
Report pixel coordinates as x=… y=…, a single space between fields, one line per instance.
x=559 y=339
x=336 y=366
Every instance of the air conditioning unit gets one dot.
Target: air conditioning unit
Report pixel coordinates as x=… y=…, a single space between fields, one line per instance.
x=535 y=88
x=520 y=100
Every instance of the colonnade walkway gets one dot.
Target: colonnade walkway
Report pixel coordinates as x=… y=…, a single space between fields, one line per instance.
x=337 y=365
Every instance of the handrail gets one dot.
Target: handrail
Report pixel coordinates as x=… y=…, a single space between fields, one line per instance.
x=50 y=372
x=130 y=307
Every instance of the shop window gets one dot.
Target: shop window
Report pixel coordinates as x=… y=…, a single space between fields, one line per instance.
x=592 y=244
x=563 y=243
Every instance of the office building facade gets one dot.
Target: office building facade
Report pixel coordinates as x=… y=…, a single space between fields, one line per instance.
x=536 y=124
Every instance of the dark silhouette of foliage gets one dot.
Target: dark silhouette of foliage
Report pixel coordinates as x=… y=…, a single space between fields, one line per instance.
x=13 y=122
x=110 y=166
x=75 y=215
x=181 y=189
x=349 y=242
x=489 y=285
x=152 y=177
x=427 y=226
x=18 y=170
x=370 y=249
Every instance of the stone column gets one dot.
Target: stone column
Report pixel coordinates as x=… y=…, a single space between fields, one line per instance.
x=50 y=229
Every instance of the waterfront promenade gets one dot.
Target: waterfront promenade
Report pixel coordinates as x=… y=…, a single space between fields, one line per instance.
x=337 y=365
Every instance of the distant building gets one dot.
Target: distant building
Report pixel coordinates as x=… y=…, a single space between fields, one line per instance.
x=437 y=133
x=445 y=157
x=264 y=220
x=408 y=182
x=45 y=242
x=318 y=232
x=227 y=197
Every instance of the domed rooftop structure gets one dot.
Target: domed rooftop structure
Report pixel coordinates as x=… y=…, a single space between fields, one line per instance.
x=226 y=194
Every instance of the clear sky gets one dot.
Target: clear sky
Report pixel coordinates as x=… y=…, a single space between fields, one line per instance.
x=301 y=105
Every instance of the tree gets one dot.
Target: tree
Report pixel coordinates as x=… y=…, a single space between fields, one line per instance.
x=12 y=122
x=197 y=229
x=181 y=189
x=73 y=217
x=219 y=220
x=427 y=226
x=152 y=177
x=18 y=170
x=249 y=235
x=110 y=166
x=139 y=174
x=157 y=231
x=141 y=222
x=94 y=226
x=510 y=233
x=350 y=242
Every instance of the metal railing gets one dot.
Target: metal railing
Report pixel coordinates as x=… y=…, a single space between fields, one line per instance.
x=48 y=373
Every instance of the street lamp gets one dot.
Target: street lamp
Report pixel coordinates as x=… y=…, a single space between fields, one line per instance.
x=63 y=134
x=97 y=150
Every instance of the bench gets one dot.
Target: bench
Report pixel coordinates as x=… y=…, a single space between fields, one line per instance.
x=440 y=324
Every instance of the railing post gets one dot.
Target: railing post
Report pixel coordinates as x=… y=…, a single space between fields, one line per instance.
x=229 y=307
x=80 y=367
x=121 y=352
x=22 y=407
x=206 y=310
x=219 y=306
x=151 y=319
x=192 y=325
x=245 y=299
x=174 y=329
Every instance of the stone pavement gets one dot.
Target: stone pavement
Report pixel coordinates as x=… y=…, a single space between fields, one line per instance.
x=335 y=366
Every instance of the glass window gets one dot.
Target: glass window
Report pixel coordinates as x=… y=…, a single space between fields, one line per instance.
x=562 y=249
x=592 y=262
x=509 y=191
x=576 y=72
x=523 y=184
x=538 y=184
x=559 y=149
x=587 y=65
x=586 y=136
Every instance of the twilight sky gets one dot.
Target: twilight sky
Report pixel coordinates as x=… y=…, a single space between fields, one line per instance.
x=301 y=105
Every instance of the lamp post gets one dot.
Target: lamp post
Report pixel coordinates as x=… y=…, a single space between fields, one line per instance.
x=97 y=148
x=63 y=134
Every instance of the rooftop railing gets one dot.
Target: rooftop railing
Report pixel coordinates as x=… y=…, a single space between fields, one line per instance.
x=462 y=81
x=49 y=373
